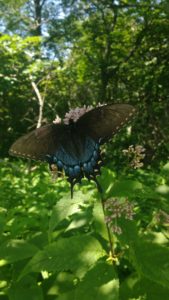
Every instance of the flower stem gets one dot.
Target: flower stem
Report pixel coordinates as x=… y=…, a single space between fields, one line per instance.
x=112 y=254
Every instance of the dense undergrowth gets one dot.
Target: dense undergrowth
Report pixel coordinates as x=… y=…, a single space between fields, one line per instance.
x=54 y=247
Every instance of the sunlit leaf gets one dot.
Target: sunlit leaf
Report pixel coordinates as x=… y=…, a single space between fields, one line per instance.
x=65 y=207
x=76 y=253
x=100 y=282
x=15 y=250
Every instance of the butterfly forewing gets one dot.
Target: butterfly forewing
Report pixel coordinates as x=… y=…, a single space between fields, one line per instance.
x=38 y=143
x=104 y=121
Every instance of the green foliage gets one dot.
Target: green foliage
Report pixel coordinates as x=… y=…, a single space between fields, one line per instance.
x=95 y=52
x=54 y=247
x=15 y=87
x=100 y=282
x=84 y=52
x=51 y=259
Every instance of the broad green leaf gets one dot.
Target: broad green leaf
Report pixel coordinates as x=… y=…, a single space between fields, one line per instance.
x=150 y=259
x=99 y=220
x=107 y=180
x=62 y=283
x=15 y=250
x=26 y=289
x=39 y=239
x=65 y=207
x=134 y=287
x=151 y=289
x=99 y=283
x=76 y=253
x=126 y=188
x=67 y=296
x=80 y=219
x=129 y=231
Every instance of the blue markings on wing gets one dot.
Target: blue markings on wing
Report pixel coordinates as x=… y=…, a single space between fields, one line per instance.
x=66 y=157
x=88 y=150
x=70 y=158
x=79 y=162
x=87 y=167
x=77 y=170
x=93 y=161
x=95 y=154
x=71 y=172
x=59 y=164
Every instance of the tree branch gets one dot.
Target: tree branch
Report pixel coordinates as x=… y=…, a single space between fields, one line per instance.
x=41 y=103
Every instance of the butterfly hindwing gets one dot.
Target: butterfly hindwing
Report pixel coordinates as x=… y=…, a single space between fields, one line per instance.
x=104 y=121
x=38 y=143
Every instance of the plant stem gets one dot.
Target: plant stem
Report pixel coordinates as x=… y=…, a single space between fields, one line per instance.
x=112 y=254
x=108 y=230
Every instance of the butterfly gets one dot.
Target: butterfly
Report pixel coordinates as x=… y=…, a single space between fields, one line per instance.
x=73 y=145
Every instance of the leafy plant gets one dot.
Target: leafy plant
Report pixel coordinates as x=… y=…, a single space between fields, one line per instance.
x=53 y=247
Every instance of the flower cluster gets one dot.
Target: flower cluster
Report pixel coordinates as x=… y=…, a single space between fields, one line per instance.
x=162 y=217
x=115 y=209
x=75 y=114
x=136 y=155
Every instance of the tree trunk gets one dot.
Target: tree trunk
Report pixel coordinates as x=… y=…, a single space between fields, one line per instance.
x=38 y=17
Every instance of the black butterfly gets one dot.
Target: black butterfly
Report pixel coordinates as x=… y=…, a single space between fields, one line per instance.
x=75 y=147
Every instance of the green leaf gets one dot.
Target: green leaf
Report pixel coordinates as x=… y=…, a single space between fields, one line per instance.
x=15 y=250
x=81 y=219
x=65 y=207
x=99 y=283
x=99 y=220
x=126 y=188
x=135 y=287
x=76 y=253
x=26 y=289
x=166 y=168
x=151 y=260
x=151 y=289
x=61 y=284
x=66 y=296
x=129 y=231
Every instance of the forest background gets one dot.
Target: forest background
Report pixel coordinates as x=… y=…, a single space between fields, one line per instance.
x=57 y=55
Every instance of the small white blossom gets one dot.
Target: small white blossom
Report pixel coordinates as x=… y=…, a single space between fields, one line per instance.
x=75 y=114
x=116 y=209
x=116 y=229
x=136 y=155
x=57 y=120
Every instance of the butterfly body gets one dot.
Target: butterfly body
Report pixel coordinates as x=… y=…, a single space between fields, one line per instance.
x=74 y=145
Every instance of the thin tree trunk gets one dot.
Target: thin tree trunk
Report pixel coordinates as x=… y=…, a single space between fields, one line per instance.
x=41 y=103
x=38 y=17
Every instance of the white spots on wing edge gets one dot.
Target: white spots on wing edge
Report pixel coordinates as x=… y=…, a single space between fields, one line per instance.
x=124 y=122
x=24 y=155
